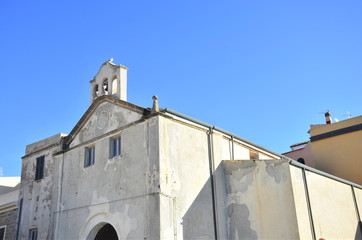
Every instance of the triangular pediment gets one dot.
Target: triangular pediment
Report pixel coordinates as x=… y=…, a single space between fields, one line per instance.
x=105 y=115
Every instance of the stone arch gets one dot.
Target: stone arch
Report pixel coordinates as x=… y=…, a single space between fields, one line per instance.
x=94 y=224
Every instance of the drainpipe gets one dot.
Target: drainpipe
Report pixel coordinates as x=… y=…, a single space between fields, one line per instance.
x=356 y=207
x=308 y=204
x=212 y=180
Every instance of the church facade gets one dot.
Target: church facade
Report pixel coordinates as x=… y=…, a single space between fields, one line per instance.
x=128 y=172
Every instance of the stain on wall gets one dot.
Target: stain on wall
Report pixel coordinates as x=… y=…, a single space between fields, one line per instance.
x=239 y=227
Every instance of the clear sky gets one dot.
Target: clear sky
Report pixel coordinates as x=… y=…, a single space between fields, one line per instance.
x=263 y=70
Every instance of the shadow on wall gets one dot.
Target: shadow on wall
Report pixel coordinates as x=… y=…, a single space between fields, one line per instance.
x=198 y=221
x=232 y=222
x=359 y=231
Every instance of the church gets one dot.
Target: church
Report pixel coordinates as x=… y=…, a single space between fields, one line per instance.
x=130 y=172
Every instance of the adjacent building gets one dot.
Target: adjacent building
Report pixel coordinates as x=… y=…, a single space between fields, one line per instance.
x=334 y=148
x=9 y=192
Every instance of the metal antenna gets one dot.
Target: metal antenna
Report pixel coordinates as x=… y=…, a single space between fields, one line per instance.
x=348 y=115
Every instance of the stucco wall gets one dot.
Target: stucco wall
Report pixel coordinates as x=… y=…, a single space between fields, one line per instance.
x=123 y=189
x=185 y=182
x=187 y=153
x=37 y=195
x=259 y=201
x=105 y=118
x=305 y=153
x=332 y=206
x=339 y=155
x=334 y=213
x=301 y=205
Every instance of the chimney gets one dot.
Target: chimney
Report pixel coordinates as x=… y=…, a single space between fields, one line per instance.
x=328 y=118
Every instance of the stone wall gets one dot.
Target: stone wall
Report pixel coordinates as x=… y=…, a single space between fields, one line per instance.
x=8 y=219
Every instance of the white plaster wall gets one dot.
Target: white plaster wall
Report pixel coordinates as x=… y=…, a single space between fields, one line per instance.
x=131 y=218
x=110 y=70
x=240 y=152
x=222 y=148
x=125 y=186
x=264 y=157
x=333 y=210
x=185 y=178
x=259 y=200
x=301 y=207
x=167 y=219
x=186 y=182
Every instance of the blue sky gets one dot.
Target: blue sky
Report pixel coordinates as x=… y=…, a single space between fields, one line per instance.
x=263 y=70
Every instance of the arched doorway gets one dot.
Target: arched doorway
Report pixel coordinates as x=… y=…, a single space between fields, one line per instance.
x=107 y=232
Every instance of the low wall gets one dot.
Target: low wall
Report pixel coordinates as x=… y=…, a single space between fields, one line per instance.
x=283 y=199
x=327 y=207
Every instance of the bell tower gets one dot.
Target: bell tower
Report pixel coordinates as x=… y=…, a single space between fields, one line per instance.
x=111 y=80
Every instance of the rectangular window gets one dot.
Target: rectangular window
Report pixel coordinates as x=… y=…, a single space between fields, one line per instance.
x=39 y=168
x=33 y=234
x=114 y=147
x=89 y=156
x=2 y=232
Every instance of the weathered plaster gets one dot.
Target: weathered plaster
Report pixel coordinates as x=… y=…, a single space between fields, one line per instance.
x=106 y=118
x=259 y=200
x=38 y=195
x=185 y=179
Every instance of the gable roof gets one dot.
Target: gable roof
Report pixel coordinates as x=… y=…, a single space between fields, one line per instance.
x=99 y=100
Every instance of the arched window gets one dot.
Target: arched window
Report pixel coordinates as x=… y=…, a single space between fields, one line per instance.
x=114 y=85
x=301 y=160
x=106 y=232
x=105 y=86
x=95 y=91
